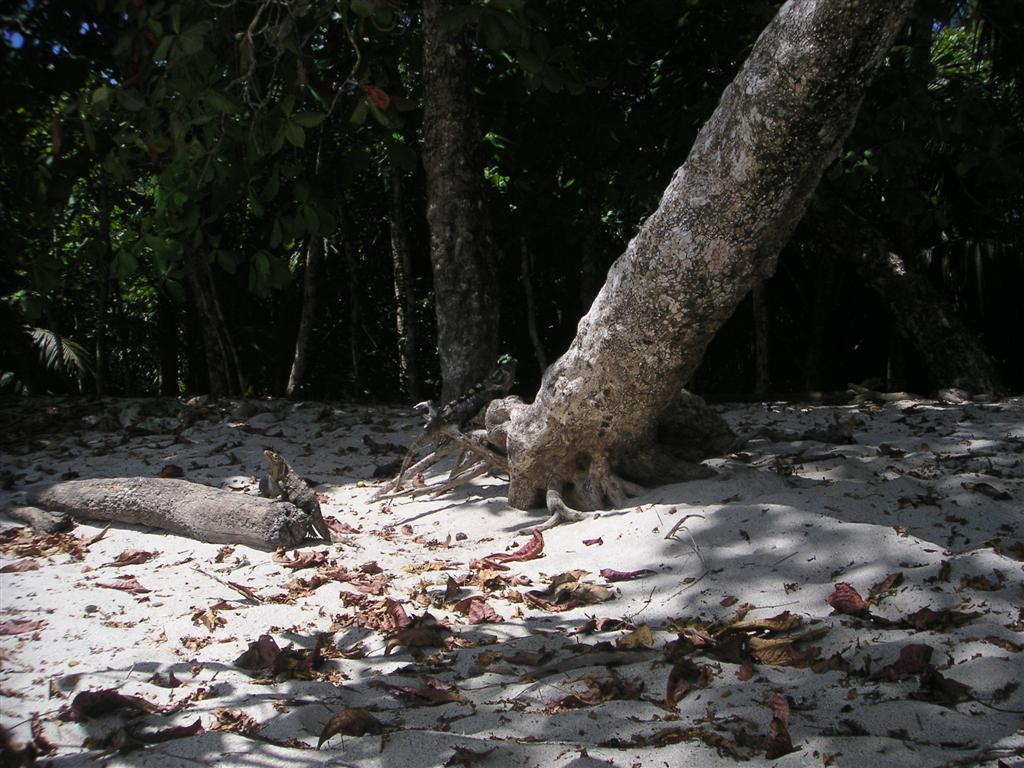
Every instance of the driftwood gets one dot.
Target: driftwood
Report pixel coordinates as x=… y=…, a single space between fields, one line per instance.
x=177 y=506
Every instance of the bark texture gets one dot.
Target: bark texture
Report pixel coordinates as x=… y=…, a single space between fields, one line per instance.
x=461 y=242
x=718 y=230
x=949 y=351
x=405 y=299
x=180 y=507
x=310 y=303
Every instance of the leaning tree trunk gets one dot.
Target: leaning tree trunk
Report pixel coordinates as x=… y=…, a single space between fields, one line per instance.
x=949 y=351
x=461 y=247
x=718 y=230
x=223 y=367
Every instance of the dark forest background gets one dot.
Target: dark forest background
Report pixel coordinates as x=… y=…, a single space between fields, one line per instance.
x=146 y=145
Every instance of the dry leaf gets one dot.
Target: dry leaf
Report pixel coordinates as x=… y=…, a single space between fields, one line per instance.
x=21 y=626
x=846 y=599
x=89 y=704
x=640 y=637
x=130 y=557
x=350 y=722
x=612 y=575
x=130 y=584
x=21 y=566
x=528 y=551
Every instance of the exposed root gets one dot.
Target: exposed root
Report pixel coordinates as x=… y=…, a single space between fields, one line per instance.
x=560 y=511
x=473 y=459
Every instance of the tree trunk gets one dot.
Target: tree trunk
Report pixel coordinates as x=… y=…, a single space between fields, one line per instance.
x=761 y=378
x=461 y=247
x=223 y=368
x=310 y=301
x=167 y=335
x=949 y=351
x=718 y=230
x=531 y=304
x=355 y=319
x=405 y=299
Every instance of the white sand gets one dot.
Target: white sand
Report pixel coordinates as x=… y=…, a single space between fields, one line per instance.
x=778 y=527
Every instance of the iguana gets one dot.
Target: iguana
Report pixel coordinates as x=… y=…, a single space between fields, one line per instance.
x=463 y=408
x=457 y=413
x=285 y=483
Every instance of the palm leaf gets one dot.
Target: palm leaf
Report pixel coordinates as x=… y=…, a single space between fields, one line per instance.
x=60 y=354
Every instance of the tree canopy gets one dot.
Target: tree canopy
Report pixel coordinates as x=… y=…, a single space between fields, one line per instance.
x=140 y=138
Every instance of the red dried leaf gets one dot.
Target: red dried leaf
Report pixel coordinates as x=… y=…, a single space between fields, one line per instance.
x=171 y=681
x=846 y=599
x=337 y=526
x=913 y=660
x=746 y=671
x=350 y=722
x=780 y=709
x=396 y=611
x=370 y=568
x=95 y=703
x=21 y=626
x=482 y=613
x=593 y=542
x=131 y=584
x=21 y=566
x=487 y=565
x=307 y=559
x=612 y=575
x=416 y=637
x=130 y=557
x=601 y=624
x=434 y=692
x=528 y=551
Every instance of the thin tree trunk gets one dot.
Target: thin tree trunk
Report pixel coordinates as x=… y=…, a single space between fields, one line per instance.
x=950 y=352
x=461 y=242
x=531 y=305
x=405 y=299
x=355 y=318
x=167 y=336
x=310 y=303
x=761 y=379
x=222 y=365
x=103 y=300
x=718 y=230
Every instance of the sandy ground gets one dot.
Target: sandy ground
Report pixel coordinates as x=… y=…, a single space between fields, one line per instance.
x=728 y=641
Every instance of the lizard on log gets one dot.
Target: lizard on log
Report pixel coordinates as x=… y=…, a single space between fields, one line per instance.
x=283 y=482
x=446 y=423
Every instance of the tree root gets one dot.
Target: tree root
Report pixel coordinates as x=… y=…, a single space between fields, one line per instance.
x=473 y=459
x=600 y=488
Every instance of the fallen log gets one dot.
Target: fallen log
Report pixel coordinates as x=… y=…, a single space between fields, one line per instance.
x=180 y=507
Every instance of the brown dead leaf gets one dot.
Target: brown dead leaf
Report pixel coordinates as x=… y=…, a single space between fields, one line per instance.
x=936 y=621
x=597 y=691
x=477 y=610
x=21 y=566
x=778 y=741
x=130 y=557
x=235 y=721
x=1004 y=643
x=89 y=704
x=566 y=592
x=886 y=585
x=593 y=542
x=466 y=757
x=208 y=618
x=985 y=489
x=782 y=651
x=846 y=599
x=640 y=637
x=780 y=709
x=941 y=690
x=451 y=590
x=684 y=677
x=782 y=622
x=261 y=654
x=350 y=722
x=20 y=626
x=417 y=637
x=913 y=660
x=433 y=692
x=131 y=584
x=300 y=560
x=431 y=565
